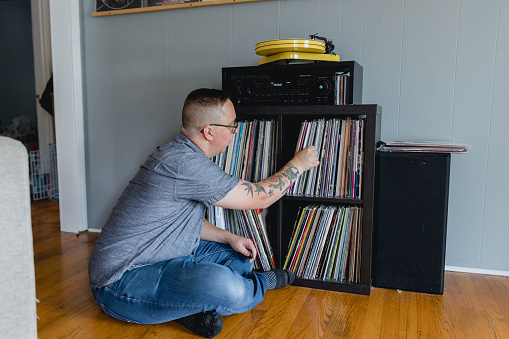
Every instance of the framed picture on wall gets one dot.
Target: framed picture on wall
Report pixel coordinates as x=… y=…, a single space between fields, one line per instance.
x=114 y=5
x=168 y=2
x=119 y=7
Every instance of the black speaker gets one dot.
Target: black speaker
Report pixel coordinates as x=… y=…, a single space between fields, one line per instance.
x=409 y=234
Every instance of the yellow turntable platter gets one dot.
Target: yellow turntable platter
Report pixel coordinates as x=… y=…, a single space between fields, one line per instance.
x=285 y=56
x=289 y=45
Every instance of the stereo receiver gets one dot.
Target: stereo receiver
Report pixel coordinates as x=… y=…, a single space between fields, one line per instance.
x=325 y=83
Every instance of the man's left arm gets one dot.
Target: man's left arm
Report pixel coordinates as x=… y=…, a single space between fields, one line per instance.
x=240 y=244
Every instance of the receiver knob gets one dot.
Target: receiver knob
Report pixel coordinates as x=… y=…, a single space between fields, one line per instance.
x=322 y=86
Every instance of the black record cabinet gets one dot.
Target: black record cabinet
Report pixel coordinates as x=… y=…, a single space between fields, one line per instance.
x=293 y=95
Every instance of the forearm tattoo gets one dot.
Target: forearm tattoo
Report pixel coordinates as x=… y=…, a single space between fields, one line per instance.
x=249 y=188
x=280 y=181
x=259 y=188
x=291 y=172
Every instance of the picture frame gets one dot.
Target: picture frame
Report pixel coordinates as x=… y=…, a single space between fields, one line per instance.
x=119 y=7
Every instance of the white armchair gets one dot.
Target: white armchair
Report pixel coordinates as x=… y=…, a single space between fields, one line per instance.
x=18 y=317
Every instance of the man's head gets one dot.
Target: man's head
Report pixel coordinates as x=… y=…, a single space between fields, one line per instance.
x=203 y=106
x=208 y=116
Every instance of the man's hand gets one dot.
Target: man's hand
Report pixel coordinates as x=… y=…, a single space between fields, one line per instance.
x=240 y=244
x=306 y=159
x=243 y=245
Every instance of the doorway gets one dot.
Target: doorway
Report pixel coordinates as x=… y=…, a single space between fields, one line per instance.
x=25 y=71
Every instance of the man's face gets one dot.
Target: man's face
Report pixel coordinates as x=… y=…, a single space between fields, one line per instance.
x=225 y=134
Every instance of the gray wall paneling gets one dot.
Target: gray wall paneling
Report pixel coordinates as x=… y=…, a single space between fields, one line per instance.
x=105 y=116
x=494 y=251
x=471 y=113
x=382 y=45
x=438 y=69
x=217 y=43
x=290 y=19
x=252 y=23
x=352 y=30
x=427 y=69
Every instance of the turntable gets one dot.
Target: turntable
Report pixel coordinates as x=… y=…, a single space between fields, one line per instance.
x=315 y=49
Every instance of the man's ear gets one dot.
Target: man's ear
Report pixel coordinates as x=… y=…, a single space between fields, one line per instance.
x=207 y=133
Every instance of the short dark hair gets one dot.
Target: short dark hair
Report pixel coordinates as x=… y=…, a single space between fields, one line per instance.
x=202 y=97
x=207 y=97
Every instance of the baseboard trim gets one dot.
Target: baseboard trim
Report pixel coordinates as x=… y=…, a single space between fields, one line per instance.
x=476 y=270
x=95 y=230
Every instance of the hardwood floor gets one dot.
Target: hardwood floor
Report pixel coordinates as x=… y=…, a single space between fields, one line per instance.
x=473 y=306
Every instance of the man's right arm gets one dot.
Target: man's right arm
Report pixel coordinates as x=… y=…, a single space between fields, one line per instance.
x=247 y=195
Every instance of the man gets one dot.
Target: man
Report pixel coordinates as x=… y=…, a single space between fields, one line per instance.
x=158 y=259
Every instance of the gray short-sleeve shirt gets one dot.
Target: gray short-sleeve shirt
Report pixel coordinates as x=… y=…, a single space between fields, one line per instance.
x=160 y=214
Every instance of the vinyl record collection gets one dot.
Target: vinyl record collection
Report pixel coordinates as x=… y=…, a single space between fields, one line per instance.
x=249 y=224
x=326 y=243
x=340 y=146
x=250 y=156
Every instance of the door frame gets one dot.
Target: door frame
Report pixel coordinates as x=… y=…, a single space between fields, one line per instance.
x=69 y=124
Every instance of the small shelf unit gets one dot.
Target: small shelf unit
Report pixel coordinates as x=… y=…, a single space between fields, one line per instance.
x=281 y=216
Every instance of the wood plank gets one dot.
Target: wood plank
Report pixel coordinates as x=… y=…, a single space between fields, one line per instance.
x=455 y=305
x=391 y=314
x=172 y=7
x=326 y=314
x=372 y=323
x=495 y=322
x=280 y=309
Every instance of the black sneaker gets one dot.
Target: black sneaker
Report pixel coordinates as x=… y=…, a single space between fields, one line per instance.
x=206 y=324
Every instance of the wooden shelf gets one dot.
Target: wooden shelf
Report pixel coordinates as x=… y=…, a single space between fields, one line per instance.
x=320 y=199
x=333 y=285
x=172 y=7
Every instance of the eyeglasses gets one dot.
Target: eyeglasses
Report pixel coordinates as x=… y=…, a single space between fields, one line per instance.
x=233 y=127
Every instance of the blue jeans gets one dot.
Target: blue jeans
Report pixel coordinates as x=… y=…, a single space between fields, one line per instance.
x=216 y=278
